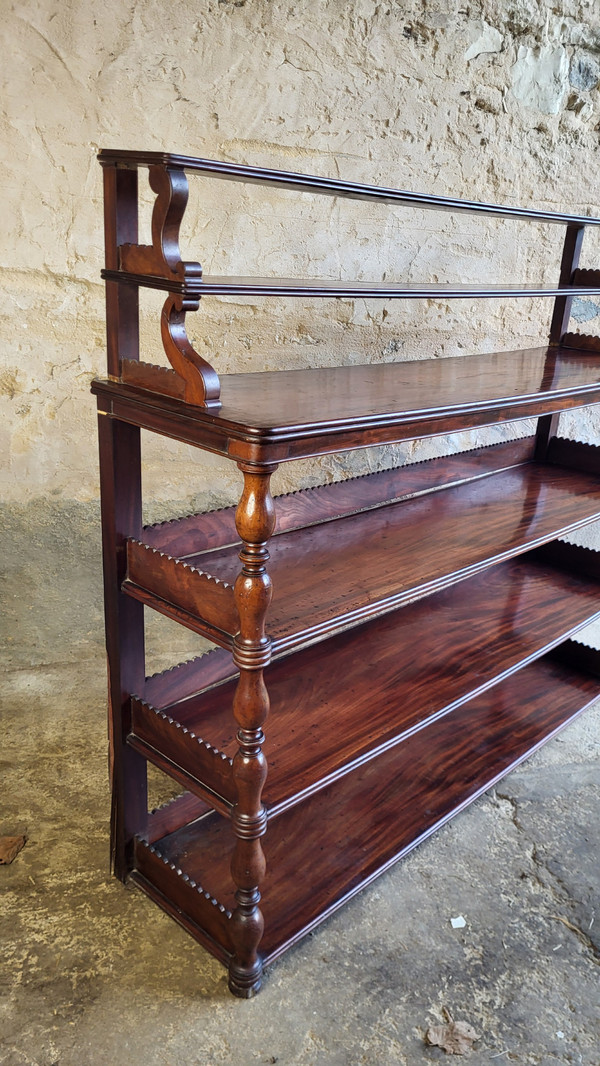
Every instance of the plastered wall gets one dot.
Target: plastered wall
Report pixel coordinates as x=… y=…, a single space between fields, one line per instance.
x=489 y=100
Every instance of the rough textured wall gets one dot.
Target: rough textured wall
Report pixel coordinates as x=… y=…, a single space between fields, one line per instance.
x=491 y=100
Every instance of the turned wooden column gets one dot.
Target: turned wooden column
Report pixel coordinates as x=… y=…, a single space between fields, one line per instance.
x=255 y=521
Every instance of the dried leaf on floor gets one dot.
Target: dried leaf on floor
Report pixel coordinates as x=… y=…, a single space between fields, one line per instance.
x=10 y=848
x=453 y=1037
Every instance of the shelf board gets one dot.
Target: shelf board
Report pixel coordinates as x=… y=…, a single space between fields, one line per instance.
x=209 y=285
x=344 y=836
x=430 y=653
x=292 y=413
x=186 y=537
x=328 y=577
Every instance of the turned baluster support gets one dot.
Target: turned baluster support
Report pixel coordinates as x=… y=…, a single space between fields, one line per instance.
x=255 y=521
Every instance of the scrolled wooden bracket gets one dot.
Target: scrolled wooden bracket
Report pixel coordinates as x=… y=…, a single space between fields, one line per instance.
x=162 y=259
x=202 y=385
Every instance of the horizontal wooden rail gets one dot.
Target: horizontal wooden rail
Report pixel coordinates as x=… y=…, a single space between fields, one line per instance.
x=333 y=186
x=211 y=285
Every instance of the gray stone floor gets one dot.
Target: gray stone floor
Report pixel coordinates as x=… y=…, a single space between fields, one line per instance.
x=93 y=973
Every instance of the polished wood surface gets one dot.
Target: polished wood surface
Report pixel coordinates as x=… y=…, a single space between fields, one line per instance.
x=286 y=400
x=172 y=815
x=326 y=288
x=188 y=536
x=280 y=415
x=179 y=682
x=548 y=425
x=345 y=835
x=581 y=340
x=329 y=186
x=384 y=722
x=430 y=652
x=574 y=454
x=120 y=494
x=408 y=549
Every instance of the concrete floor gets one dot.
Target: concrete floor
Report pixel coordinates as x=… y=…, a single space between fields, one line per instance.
x=93 y=973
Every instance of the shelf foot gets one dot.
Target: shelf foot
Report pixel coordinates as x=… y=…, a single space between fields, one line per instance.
x=244 y=982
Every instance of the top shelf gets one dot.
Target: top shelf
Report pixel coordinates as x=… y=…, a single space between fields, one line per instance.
x=334 y=187
x=287 y=414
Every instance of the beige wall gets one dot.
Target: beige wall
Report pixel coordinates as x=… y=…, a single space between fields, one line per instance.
x=487 y=100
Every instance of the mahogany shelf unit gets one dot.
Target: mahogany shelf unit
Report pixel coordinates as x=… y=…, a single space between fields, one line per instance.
x=405 y=637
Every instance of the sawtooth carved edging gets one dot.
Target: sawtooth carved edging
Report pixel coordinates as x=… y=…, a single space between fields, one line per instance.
x=584 y=341
x=203 y=596
x=585 y=276
x=185 y=732
x=312 y=491
x=171 y=670
x=162 y=259
x=189 y=881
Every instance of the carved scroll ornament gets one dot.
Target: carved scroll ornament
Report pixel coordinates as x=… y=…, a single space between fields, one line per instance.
x=199 y=383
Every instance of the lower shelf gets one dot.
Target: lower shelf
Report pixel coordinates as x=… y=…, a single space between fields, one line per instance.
x=324 y=850
x=424 y=660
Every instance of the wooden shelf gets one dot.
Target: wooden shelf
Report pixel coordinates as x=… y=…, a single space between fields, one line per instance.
x=208 y=285
x=291 y=413
x=430 y=652
x=408 y=549
x=347 y=834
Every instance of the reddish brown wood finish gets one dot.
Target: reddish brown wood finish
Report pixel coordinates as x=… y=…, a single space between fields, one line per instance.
x=569 y=557
x=584 y=341
x=548 y=425
x=579 y=656
x=121 y=517
x=332 y=186
x=185 y=537
x=430 y=653
x=347 y=834
x=179 y=589
x=172 y=815
x=186 y=678
x=407 y=549
x=574 y=455
x=277 y=416
x=255 y=521
x=380 y=730
x=195 y=380
x=160 y=379
x=122 y=302
x=316 y=288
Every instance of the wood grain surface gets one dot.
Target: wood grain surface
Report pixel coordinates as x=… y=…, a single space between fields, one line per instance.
x=424 y=660
x=324 y=850
x=329 y=576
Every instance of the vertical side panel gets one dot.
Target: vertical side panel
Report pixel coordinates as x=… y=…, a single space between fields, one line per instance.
x=122 y=301
x=120 y=487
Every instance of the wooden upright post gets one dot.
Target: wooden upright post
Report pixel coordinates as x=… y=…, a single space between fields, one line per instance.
x=120 y=490
x=120 y=487
x=255 y=521
x=547 y=426
x=122 y=301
